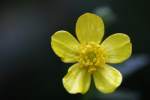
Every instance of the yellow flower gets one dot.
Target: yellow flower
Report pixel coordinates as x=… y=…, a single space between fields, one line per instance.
x=91 y=57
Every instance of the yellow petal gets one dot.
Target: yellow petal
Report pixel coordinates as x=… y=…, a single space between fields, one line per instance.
x=117 y=48
x=77 y=80
x=107 y=79
x=89 y=27
x=65 y=46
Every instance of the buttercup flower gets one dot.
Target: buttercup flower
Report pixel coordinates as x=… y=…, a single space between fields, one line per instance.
x=91 y=56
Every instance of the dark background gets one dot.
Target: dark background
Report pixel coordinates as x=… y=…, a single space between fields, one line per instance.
x=25 y=30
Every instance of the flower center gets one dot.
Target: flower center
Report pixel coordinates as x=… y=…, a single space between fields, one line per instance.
x=91 y=56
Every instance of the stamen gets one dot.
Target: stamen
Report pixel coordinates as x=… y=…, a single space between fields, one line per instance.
x=91 y=56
